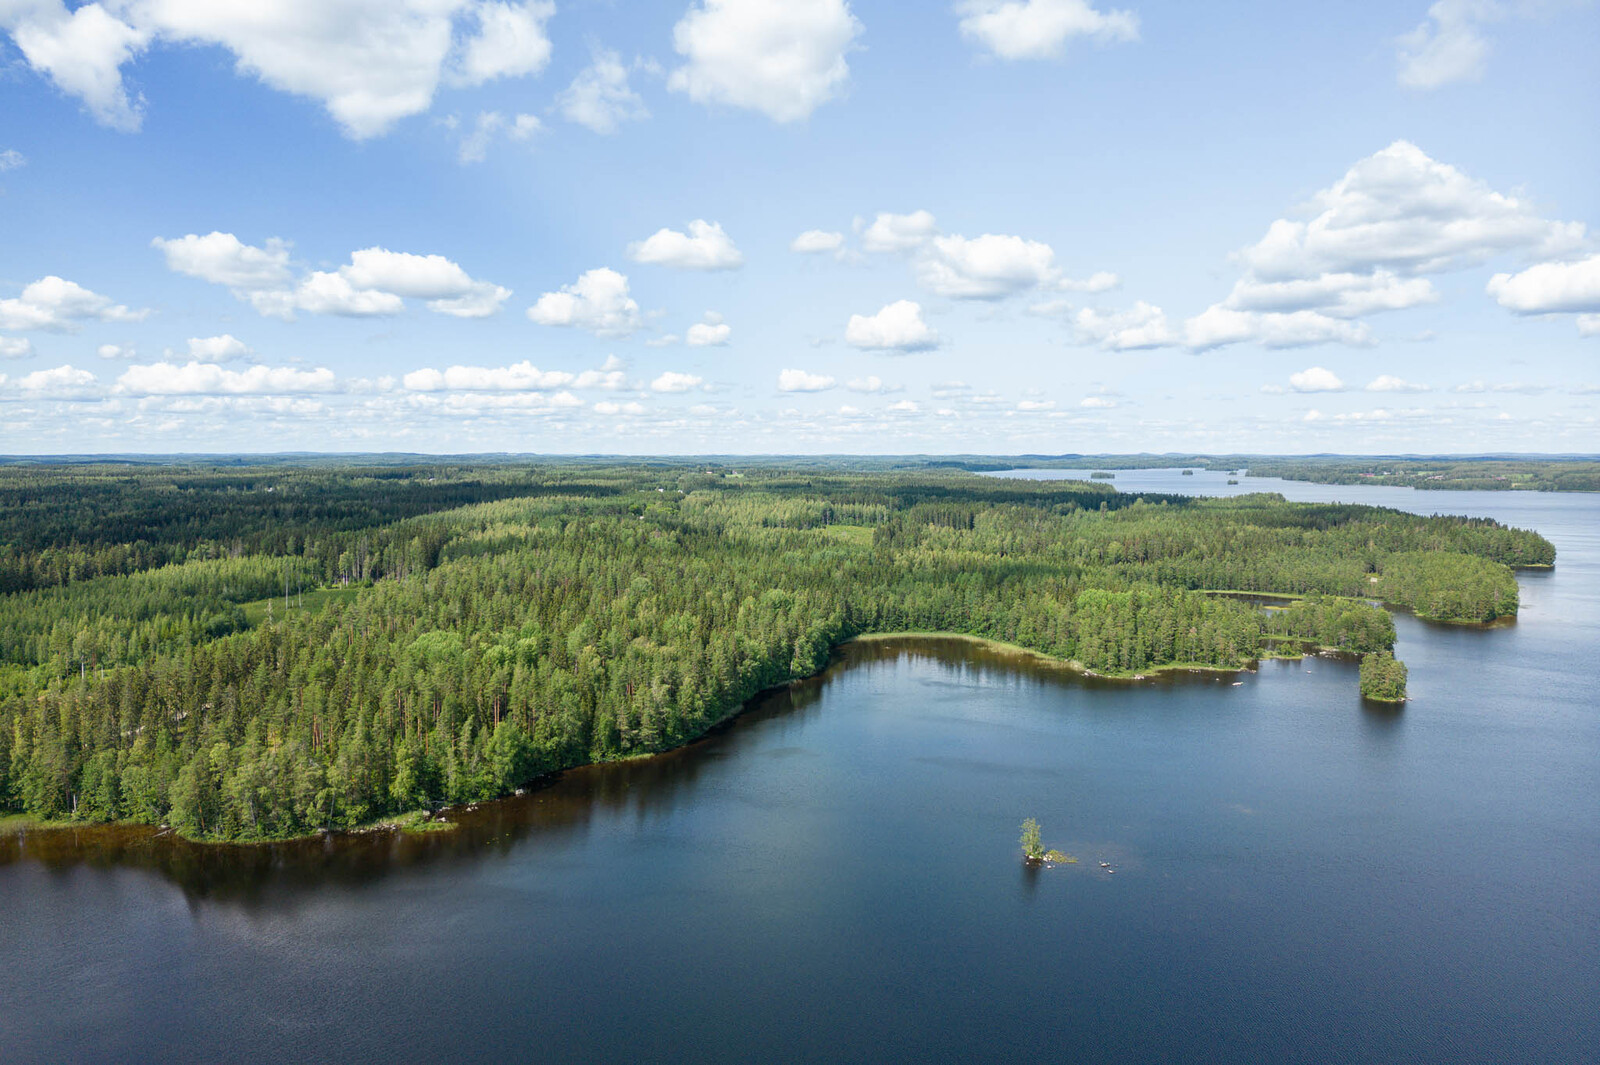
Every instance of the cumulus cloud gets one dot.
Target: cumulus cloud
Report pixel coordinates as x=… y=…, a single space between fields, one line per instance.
x=704 y=247
x=801 y=381
x=206 y=379
x=599 y=97
x=1402 y=211
x=609 y=407
x=815 y=241
x=987 y=267
x=61 y=382
x=11 y=159
x=1040 y=29
x=897 y=327
x=1142 y=326
x=1390 y=383
x=57 y=305
x=672 y=381
x=1315 y=379
x=1448 y=45
x=1035 y=406
x=1571 y=287
x=1394 y=217
x=598 y=302
x=1096 y=403
x=510 y=41
x=898 y=232
x=783 y=58
x=376 y=281
x=370 y=63
x=15 y=347
x=712 y=332
x=1221 y=325
x=224 y=348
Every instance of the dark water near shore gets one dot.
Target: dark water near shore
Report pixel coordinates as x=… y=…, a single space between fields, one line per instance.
x=1297 y=876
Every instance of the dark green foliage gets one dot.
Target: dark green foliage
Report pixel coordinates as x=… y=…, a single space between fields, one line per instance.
x=599 y=613
x=1545 y=475
x=1383 y=677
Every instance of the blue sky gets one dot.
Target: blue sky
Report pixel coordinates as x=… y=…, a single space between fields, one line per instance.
x=798 y=226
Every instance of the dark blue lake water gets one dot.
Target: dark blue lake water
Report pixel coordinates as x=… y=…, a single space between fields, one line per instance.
x=1293 y=876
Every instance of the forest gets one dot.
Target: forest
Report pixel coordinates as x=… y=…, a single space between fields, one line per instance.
x=257 y=653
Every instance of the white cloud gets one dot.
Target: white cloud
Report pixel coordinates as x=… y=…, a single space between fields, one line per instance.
x=1447 y=46
x=606 y=406
x=1401 y=211
x=323 y=293
x=369 y=62
x=203 y=378
x=1096 y=403
x=62 y=382
x=223 y=259
x=1589 y=325
x=813 y=241
x=57 y=305
x=1100 y=281
x=511 y=42
x=713 y=332
x=519 y=377
x=1142 y=326
x=897 y=327
x=704 y=247
x=898 y=232
x=904 y=406
x=1395 y=216
x=985 y=268
x=1390 y=383
x=15 y=347
x=82 y=52
x=224 y=348
x=1039 y=29
x=1572 y=287
x=1035 y=406
x=871 y=385
x=672 y=381
x=1315 y=379
x=801 y=381
x=489 y=125
x=599 y=97
x=1221 y=325
x=598 y=301
x=11 y=159
x=1344 y=295
x=783 y=58
x=375 y=281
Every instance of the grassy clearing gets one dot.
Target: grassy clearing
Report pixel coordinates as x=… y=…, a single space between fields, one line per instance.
x=313 y=602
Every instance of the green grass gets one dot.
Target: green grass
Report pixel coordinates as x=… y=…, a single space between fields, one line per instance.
x=861 y=535
x=312 y=601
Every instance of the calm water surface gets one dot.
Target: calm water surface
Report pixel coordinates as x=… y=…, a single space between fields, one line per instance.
x=1297 y=876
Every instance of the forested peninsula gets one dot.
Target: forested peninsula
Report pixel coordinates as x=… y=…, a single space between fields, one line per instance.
x=250 y=653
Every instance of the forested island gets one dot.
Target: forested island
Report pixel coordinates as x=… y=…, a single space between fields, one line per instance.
x=254 y=652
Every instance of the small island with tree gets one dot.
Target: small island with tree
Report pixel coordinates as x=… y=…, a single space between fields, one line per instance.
x=1383 y=677
x=1033 y=851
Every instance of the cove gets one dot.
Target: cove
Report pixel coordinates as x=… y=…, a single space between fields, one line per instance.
x=835 y=875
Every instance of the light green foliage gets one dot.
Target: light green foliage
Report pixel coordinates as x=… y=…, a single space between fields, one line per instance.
x=1032 y=847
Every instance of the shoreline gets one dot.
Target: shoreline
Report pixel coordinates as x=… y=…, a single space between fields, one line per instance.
x=418 y=822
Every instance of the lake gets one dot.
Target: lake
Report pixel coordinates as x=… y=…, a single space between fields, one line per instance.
x=1289 y=874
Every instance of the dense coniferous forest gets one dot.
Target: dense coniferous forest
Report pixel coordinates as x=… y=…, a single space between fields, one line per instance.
x=257 y=653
